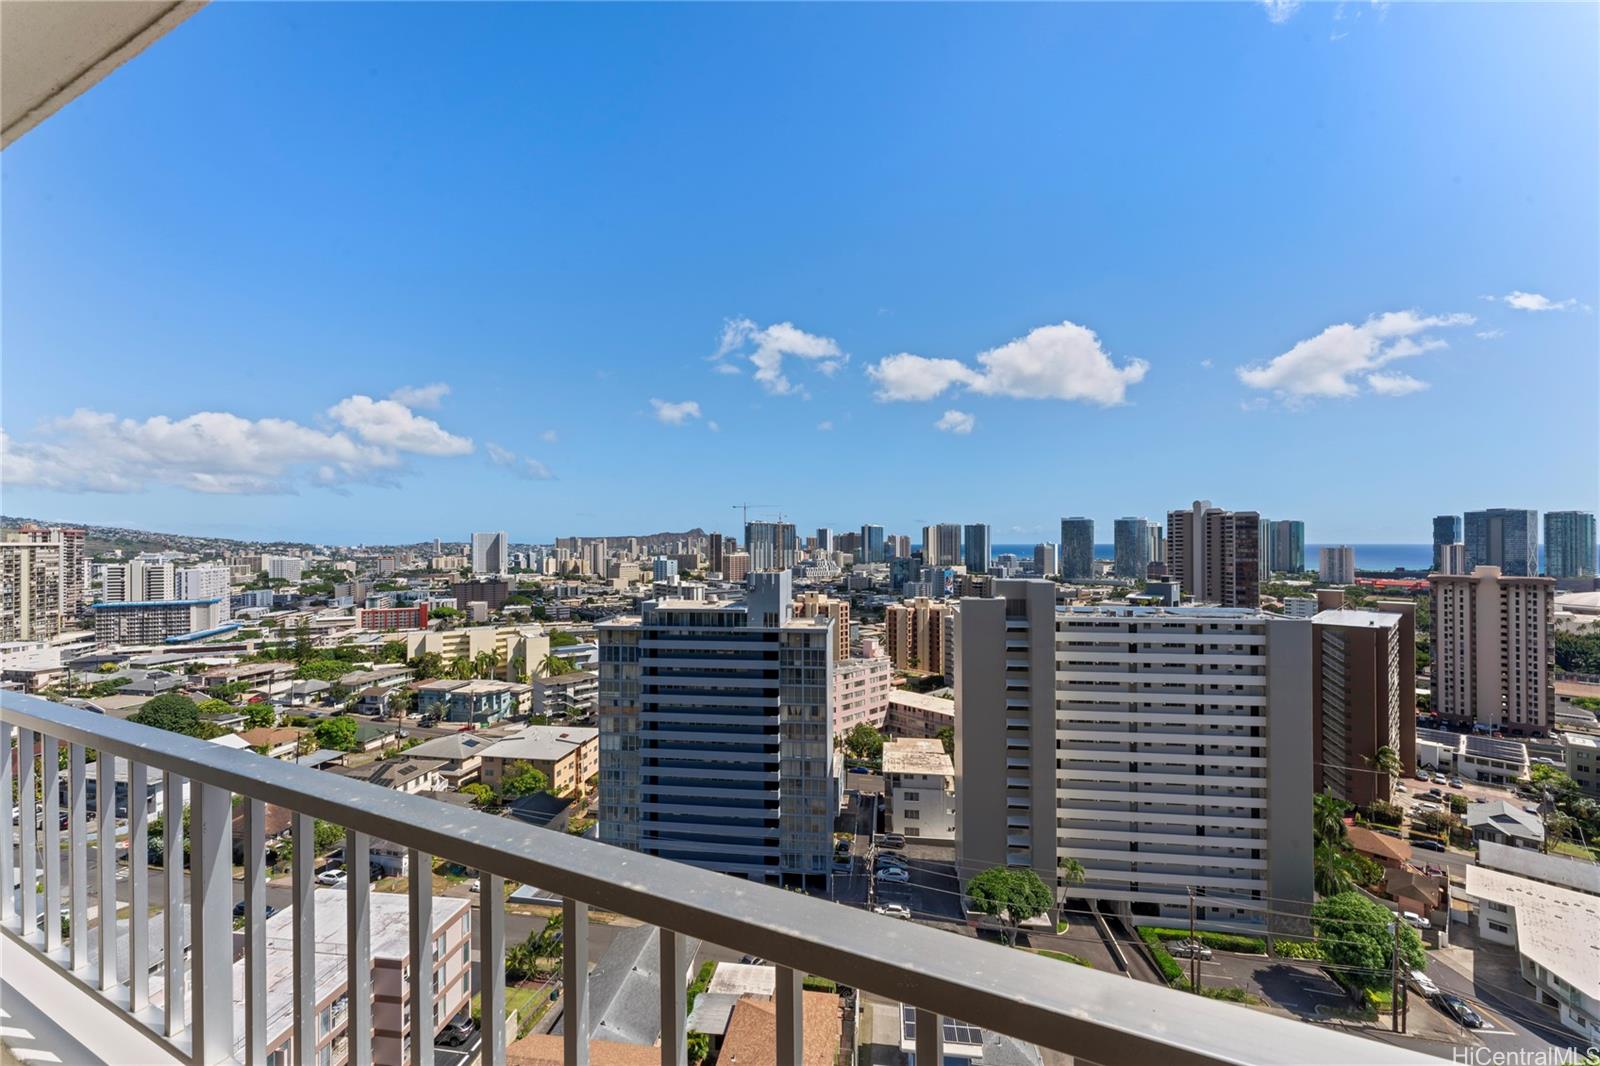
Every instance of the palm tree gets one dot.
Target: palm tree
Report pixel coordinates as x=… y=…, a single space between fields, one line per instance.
x=484 y=663
x=1386 y=761
x=1069 y=872
x=1331 y=870
x=461 y=668
x=1327 y=818
x=553 y=665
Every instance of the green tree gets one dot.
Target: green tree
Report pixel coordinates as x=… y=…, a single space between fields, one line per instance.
x=1386 y=761
x=1327 y=818
x=482 y=795
x=212 y=707
x=484 y=663
x=1356 y=932
x=521 y=779
x=947 y=737
x=864 y=742
x=337 y=733
x=553 y=665
x=303 y=650
x=560 y=638
x=461 y=668
x=428 y=665
x=1071 y=870
x=260 y=715
x=393 y=651
x=176 y=714
x=1012 y=894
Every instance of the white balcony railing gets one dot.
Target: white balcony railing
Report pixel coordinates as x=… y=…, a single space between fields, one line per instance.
x=1098 y=1017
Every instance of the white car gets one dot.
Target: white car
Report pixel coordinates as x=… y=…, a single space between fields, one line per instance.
x=1422 y=983
x=894 y=875
x=1415 y=920
x=893 y=910
x=333 y=878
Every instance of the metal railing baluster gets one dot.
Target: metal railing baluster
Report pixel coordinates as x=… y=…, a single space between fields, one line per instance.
x=78 y=858
x=255 y=932
x=8 y=870
x=211 y=921
x=492 y=966
x=28 y=849
x=674 y=1000
x=172 y=917
x=791 y=1017
x=930 y=1036
x=303 y=917
x=358 y=937
x=575 y=981
x=49 y=761
x=421 y=899
x=138 y=887
x=105 y=809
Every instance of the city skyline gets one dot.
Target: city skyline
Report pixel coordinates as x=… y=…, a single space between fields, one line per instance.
x=512 y=332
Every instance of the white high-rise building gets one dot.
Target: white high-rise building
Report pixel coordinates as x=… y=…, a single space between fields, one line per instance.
x=1337 y=564
x=205 y=583
x=491 y=553
x=716 y=738
x=1494 y=649
x=138 y=582
x=1164 y=748
x=1046 y=559
x=941 y=544
x=284 y=567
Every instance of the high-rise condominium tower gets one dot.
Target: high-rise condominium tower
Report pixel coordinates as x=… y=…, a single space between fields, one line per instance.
x=1494 y=649
x=1077 y=548
x=30 y=589
x=825 y=538
x=1131 y=544
x=771 y=545
x=1215 y=555
x=872 y=549
x=1569 y=544
x=1364 y=697
x=1446 y=531
x=1046 y=559
x=1337 y=564
x=976 y=549
x=1503 y=537
x=1288 y=547
x=941 y=544
x=491 y=553
x=716 y=735
x=1190 y=771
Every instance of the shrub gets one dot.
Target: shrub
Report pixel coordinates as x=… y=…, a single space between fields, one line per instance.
x=1245 y=945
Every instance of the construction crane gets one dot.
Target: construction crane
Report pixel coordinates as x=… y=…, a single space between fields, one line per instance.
x=744 y=509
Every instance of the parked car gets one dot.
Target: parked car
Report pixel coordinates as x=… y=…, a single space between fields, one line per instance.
x=1428 y=845
x=1438 y=779
x=1437 y=793
x=333 y=878
x=1415 y=920
x=893 y=841
x=1456 y=782
x=477 y=885
x=1422 y=775
x=1422 y=807
x=1188 y=949
x=456 y=1033
x=894 y=875
x=1460 y=1010
x=1422 y=983
x=893 y=910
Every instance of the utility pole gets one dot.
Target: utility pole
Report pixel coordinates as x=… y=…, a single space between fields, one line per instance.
x=1194 y=949
x=1394 y=979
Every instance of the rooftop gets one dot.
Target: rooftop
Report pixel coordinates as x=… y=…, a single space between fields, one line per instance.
x=1563 y=870
x=1507 y=818
x=1556 y=927
x=906 y=698
x=1344 y=616
x=916 y=756
x=542 y=743
x=454 y=746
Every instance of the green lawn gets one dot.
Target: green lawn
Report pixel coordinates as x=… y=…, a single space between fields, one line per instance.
x=1062 y=956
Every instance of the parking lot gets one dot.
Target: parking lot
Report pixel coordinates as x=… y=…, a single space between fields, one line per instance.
x=933 y=893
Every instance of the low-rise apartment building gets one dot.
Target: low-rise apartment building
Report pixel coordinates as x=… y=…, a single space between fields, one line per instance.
x=569 y=695
x=861 y=692
x=392 y=619
x=568 y=755
x=158 y=621
x=918 y=714
x=478 y=702
x=919 y=788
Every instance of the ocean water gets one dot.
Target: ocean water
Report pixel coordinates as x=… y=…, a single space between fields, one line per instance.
x=1368 y=556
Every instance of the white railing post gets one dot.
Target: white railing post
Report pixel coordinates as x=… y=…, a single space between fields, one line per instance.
x=791 y=1017
x=173 y=926
x=575 y=979
x=28 y=849
x=105 y=809
x=492 y=967
x=303 y=918
x=421 y=894
x=8 y=873
x=358 y=938
x=50 y=759
x=78 y=857
x=211 y=914
x=930 y=1036
x=674 y=999
x=138 y=887
x=255 y=932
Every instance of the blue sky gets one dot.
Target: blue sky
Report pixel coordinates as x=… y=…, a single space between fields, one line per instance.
x=962 y=263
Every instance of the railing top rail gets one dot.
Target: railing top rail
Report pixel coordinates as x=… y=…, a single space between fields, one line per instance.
x=1096 y=1016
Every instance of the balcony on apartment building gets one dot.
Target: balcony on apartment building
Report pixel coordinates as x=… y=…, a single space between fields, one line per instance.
x=94 y=987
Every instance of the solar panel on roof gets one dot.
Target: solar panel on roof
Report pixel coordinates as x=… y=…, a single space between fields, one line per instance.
x=961 y=1033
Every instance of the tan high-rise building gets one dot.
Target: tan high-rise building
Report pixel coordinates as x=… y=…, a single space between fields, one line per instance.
x=916 y=634
x=1494 y=649
x=1215 y=555
x=821 y=605
x=30 y=589
x=74 y=565
x=941 y=544
x=735 y=566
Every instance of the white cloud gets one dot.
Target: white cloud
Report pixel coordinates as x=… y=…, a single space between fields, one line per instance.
x=1490 y=334
x=1280 y=11
x=713 y=427
x=523 y=466
x=394 y=425
x=1532 y=301
x=675 y=414
x=956 y=422
x=428 y=396
x=1059 y=362
x=1325 y=365
x=220 y=452
x=766 y=347
x=549 y=436
x=726 y=368
x=824 y=426
x=1394 y=384
x=1207 y=364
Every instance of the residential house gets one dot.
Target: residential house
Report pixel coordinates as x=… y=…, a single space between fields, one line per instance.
x=477 y=702
x=275 y=742
x=1505 y=823
x=460 y=754
x=402 y=773
x=568 y=755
